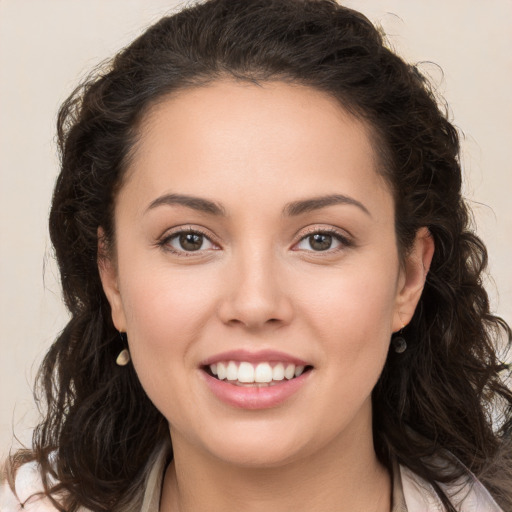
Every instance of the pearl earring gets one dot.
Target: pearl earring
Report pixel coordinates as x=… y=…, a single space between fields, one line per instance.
x=123 y=358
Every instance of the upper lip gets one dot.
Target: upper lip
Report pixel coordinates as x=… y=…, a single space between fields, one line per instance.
x=261 y=356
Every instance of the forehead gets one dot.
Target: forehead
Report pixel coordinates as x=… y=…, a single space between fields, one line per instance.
x=274 y=136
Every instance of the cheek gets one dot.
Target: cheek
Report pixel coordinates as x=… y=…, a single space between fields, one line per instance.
x=352 y=316
x=355 y=300
x=165 y=311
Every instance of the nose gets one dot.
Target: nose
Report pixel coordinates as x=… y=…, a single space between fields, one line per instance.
x=256 y=296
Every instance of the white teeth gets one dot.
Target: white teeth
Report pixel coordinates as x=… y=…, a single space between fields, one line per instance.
x=221 y=371
x=263 y=373
x=289 y=371
x=232 y=371
x=299 y=370
x=247 y=373
x=278 y=372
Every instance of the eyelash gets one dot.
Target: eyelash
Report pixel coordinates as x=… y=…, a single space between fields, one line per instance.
x=343 y=240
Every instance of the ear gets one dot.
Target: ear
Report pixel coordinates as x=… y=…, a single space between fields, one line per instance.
x=109 y=280
x=412 y=278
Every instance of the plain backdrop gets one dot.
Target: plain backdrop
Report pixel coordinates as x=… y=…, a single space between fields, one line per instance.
x=46 y=46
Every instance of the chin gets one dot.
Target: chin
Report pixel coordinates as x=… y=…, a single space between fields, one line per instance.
x=257 y=456
x=259 y=446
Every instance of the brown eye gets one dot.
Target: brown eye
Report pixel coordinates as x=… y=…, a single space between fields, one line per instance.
x=186 y=242
x=191 y=241
x=323 y=241
x=320 y=241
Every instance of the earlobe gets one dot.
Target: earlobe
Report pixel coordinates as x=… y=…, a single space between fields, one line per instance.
x=109 y=280
x=414 y=274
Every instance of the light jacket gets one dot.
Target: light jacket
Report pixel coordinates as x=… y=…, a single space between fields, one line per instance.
x=467 y=495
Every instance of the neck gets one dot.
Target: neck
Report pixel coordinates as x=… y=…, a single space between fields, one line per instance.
x=344 y=476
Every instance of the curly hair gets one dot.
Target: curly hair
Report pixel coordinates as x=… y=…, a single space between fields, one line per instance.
x=447 y=392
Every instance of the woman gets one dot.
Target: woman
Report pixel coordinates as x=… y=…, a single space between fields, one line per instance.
x=275 y=295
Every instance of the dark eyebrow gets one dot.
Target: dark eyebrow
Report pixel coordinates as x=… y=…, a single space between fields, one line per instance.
x=290 y=210
x=196 y=203
x=315 y=203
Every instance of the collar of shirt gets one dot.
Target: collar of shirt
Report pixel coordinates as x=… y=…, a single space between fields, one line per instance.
x=151 y=502
x=410 y=493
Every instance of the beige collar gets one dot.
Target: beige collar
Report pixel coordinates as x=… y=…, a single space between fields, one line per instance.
x=410 y=492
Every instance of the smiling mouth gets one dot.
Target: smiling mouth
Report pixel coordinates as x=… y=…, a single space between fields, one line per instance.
x=264 y=374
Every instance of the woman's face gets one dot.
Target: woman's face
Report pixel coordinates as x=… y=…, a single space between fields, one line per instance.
x=255 y=236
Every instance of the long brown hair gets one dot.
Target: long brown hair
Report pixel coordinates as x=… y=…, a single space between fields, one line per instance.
x=446 y=392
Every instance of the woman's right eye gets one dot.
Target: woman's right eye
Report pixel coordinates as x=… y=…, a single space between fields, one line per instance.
x=187 y=241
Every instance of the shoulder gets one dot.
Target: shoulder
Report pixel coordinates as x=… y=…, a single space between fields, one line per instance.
x=25 y=498
x=466 y=494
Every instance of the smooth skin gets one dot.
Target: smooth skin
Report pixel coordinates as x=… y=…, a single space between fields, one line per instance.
x=258 y=278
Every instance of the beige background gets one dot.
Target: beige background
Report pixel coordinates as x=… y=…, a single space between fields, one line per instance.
x=47 y=45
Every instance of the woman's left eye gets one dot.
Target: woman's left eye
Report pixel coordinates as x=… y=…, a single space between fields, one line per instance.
x=321 y=241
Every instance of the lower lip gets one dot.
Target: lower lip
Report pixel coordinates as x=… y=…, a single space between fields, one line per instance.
x=246 y=397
